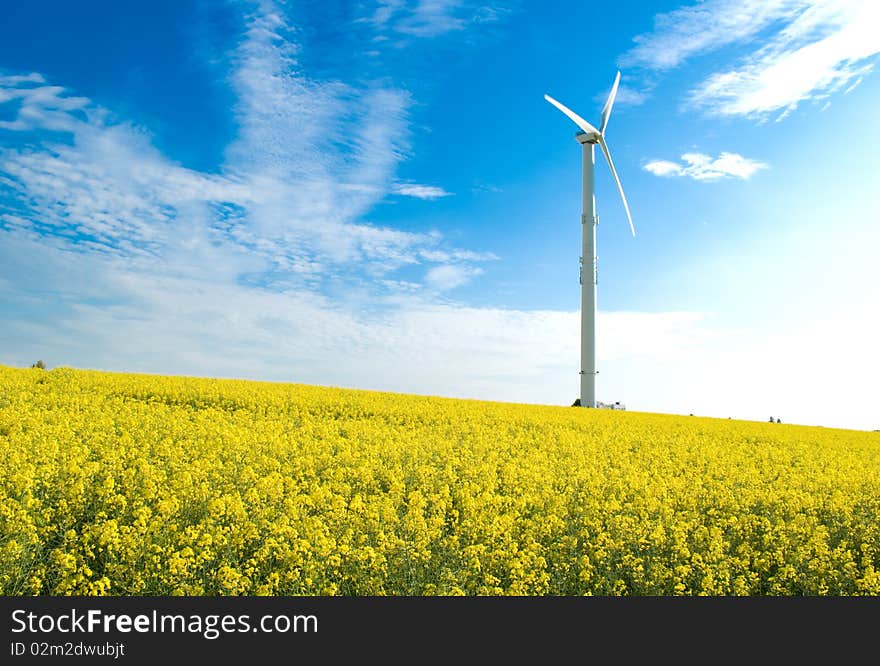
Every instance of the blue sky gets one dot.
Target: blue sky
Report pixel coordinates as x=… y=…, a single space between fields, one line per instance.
x=376 y=195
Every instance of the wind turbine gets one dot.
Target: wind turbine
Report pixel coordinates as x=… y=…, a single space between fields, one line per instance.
x=588 y=137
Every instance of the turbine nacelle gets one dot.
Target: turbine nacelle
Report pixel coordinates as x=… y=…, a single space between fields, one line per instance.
x=587 y=137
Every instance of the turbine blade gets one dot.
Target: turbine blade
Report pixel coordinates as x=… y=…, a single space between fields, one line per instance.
x=606 y=110
x=580 y=122
x=617 y=180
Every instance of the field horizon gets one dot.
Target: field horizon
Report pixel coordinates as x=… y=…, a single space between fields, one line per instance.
x=294 y=383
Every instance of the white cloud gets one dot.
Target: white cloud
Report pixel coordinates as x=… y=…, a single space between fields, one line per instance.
x=443 y=256
x=116 y=314
x=310 y=159
x=626 y=96
x=291 y=130
x=811 y=49
x=799 y=65
x=431 y=18
x=40 y=106
x=706 y=26
x=450 y=276
x=703 y=167
x=663 y=168
x=416 y=191
x=16 y=80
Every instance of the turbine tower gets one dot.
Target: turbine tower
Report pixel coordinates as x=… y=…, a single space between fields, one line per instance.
x=588 y=137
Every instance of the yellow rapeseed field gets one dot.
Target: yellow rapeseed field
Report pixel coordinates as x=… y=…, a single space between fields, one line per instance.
x=143 y=485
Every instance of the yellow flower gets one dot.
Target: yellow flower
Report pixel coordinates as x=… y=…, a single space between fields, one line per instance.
x=134 y=484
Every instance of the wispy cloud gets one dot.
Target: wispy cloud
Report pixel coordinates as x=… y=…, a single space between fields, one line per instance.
x=450 y=276
x=311 y=158
x=822 y=51
x=428 y=18
x=318 y=149
x=626 y=96
x=40 y=106
x=416 y=191
x=703 y=27
x=93 y=181
x=809 y=50
x=431 y=18
x=703 y=167
x=458 y=256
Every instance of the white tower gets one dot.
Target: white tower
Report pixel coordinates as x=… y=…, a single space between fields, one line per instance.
x=588 y=137
x=589 y=274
